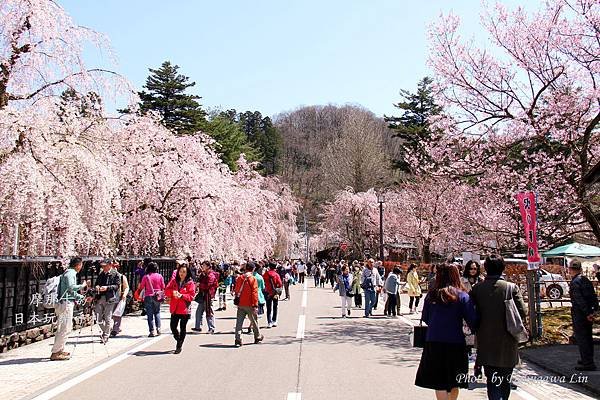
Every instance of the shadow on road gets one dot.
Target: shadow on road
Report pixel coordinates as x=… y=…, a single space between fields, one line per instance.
x=381 y=332
x=152 y=353
x=24 y=361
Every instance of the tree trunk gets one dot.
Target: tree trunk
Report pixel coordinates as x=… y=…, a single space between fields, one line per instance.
x=427 y=251
x=162 y=239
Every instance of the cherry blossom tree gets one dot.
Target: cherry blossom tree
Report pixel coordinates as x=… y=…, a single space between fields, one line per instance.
x=524 y=114
x=78 y=182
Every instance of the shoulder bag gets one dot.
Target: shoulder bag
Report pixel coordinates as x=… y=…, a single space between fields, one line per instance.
x=514 y=323
x=236 y=299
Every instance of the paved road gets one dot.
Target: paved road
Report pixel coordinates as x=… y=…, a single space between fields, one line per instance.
x=331 y=358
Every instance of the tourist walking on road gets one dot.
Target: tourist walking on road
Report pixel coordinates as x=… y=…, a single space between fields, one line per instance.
x=316 y=271
x=344 y=287
x=246 y=294
x=261 y=292
x=67 y=295
x=371 y=283
x=181 y=291
x=584 y=303
x=107 y=295
x=392 y=285
x=444 y=364
x=273 y=289
x=208 y=282
x=301 y=268
x=153 y=285
x=497 y=349
x=120 y=306
x=356 y=281
x=414 y=288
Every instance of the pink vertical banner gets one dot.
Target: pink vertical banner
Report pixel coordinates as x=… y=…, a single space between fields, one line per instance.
x=527 y=206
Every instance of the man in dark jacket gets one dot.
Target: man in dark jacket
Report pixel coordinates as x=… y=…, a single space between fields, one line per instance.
x=584 y=303
x=107 y=294
x=497 y=349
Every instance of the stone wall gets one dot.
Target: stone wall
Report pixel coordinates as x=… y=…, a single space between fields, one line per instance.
x=18 y=339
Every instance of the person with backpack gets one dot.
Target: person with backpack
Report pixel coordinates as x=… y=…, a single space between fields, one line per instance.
x=584 y=303
x=120 y=306
x=66 y=295
x=273 y=289
x=107 y=294
x=181 y=291
x=246 y=299
x=153 y=285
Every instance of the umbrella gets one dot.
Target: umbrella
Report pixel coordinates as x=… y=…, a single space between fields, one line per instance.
x=573 y=250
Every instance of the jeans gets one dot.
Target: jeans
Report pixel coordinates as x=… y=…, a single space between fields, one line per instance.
x=152 y=312
x=286 y=286
x=317 y=277
x=242 y=312
x=64 y=327
x=498 y=382
x=322 y=281
x=391 y=304
x=205 y=305
x=346 y=304
x=370 y=297
x=582 y=330
x=272 y=306
x=182 y=320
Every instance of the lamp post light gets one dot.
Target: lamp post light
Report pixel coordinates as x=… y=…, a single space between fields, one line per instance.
x=381 y=200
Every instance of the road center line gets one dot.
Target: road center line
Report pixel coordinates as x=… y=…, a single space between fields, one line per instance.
x=94 y=371
x=301 y=327
x=304 y=296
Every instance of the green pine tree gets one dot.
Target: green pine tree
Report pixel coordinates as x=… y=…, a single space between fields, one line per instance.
x=412 y=125
x=231 y=140
x=165 y=93
x=264 y=137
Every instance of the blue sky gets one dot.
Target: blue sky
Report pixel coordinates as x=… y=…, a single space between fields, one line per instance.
x=276 y=55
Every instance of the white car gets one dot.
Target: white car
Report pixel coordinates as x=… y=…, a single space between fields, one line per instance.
x=554 y=285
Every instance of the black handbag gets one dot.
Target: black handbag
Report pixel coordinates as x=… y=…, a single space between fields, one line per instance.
x=419 y=335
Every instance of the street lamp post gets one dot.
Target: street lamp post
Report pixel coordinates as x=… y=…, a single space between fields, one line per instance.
x=381 y=200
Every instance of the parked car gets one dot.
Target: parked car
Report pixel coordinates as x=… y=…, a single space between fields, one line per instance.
x=554 y=285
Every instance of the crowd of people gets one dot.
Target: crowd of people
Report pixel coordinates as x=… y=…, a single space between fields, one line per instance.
x=465 y=308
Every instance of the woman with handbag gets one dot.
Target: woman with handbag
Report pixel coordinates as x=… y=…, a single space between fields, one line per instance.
x=444 y=362
x=344 y=287
x=180 y=290
x=153 y=285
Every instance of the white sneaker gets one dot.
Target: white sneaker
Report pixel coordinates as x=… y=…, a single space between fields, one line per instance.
x=269 y=325
x=274 y=324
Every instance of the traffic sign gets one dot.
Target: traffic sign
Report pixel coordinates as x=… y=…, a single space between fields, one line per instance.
x=343 y=246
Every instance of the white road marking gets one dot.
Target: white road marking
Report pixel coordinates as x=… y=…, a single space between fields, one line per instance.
x=294 y=396
x=304 y=296
x=94 y=371
x=301 y=326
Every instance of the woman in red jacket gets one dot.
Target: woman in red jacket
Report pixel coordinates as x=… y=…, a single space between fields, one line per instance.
x=181 y=291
